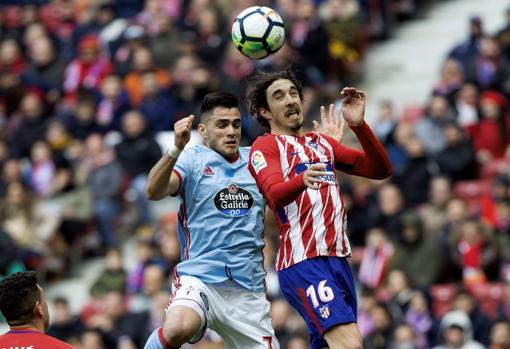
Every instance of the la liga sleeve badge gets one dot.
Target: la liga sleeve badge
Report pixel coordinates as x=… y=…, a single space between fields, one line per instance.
x=258 y=161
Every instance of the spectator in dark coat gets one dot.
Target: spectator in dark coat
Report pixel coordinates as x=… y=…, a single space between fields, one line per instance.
x=44 y=71
x=158 y=105
x=32 y=127
x=457 y=160
x=137 y=153
x=464 y=302
x=466 y=51
x=81 y=122
x=414 y=179
x=65 y=326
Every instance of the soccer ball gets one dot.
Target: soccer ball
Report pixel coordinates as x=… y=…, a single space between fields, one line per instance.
x=258 y=31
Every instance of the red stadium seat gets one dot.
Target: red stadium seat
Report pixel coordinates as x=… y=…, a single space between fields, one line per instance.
x=472 y=192
x=442 y=296
x=493 y=169
x=489 y=297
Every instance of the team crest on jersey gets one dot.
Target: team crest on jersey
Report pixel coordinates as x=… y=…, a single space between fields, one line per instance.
x=317 y=147
x=324 y=311
x=258 y=161
x=233 y=201
x=208 y=171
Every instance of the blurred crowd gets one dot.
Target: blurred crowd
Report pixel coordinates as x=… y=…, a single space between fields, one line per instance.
x=87 y=86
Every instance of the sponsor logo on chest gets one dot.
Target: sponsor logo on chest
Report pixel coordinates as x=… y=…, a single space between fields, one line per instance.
x=233 y=201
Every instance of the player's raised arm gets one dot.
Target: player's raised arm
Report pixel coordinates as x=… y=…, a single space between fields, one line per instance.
x=162 y=181
x=372 y=162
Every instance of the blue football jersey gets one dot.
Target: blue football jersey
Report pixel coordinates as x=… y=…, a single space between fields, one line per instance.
x=220 y=220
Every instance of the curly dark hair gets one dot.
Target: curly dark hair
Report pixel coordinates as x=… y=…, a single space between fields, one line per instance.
x=258 y=85
x=18 y=295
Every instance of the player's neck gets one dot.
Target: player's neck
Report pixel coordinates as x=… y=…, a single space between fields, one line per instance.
x=27 y=326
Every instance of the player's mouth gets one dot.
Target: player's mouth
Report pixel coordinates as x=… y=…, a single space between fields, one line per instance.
x=292 y=113
x=232 y=143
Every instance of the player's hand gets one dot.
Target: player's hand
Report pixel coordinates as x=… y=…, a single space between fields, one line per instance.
x=332 y=124
x=311 y=174
x=182 y=131
x=353 y=106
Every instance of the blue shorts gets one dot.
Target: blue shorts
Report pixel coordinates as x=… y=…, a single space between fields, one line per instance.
x=322 y=291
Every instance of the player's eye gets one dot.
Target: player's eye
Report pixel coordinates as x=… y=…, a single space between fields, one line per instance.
x=236 y=124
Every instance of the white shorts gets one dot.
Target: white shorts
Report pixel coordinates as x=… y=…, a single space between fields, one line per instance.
x=241 y=317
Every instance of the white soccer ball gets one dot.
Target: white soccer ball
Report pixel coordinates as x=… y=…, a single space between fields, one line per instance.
x=258 y=32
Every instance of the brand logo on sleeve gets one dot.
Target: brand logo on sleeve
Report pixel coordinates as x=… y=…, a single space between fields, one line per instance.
x=258 y=161
x=233 y=201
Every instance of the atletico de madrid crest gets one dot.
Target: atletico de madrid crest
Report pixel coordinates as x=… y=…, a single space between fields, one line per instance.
x=324 y=311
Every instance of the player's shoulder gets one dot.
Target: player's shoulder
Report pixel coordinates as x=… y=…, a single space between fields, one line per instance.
x=262 y=142
x=54 y=342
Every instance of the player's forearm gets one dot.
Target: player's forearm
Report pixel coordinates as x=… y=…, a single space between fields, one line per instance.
x=373 y=162
x=159 y=178
x=283 y=193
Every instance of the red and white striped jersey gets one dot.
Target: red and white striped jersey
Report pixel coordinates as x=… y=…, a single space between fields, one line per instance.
x=314 y=224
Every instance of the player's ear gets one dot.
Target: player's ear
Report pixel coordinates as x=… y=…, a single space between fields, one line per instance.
x=38 y=309
x=201 y=130
x=265 y=114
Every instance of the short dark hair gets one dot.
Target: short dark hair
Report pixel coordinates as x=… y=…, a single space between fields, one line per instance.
x=258 y=85
x=18 y=295
x=217 y=99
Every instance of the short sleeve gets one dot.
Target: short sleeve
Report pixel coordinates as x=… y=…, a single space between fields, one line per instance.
x=184 y=166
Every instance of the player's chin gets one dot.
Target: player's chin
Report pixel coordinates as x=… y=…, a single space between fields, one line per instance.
x=229 y=151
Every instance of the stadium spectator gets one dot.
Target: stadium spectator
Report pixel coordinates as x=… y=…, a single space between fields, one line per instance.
x=157 y=104
x=380 y=337
x=103 y=175
x=430 y=128
x=450 y=81
x=500 y=335
x=44 y=70
x=113 y=278
x=433 y=213
x=503 y=36
x=117 y=324
x=420 y=319
x=386 y=121
x=413 y=179
x=113 y=103
x=456 y=331
x=87 y=70
x=467 y=51
x=466 y=105
x=31 y=127
x=457 y=160
x=491 y=134
x=474 y=252
x=480 y=323
x=137 y=152
x=164 y=41
x=64 y=325
x=390 y=207
x=417 y=254
x=404 y=338
x=81 y=120
x=133 y=82
x=377 y=253
x=489 y=69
